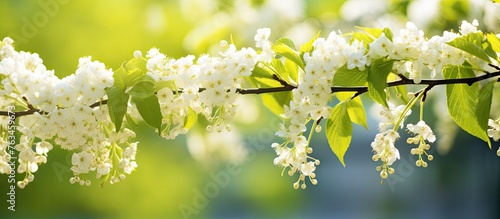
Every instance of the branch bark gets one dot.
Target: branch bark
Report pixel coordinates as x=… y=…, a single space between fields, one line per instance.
x=359 y=89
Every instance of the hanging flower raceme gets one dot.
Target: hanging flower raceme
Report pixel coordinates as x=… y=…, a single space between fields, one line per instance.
x=423 y=134
x=385 y=150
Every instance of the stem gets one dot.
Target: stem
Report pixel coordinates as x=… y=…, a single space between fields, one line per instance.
x=406 y=109
x=359 y=89
x=422 y=110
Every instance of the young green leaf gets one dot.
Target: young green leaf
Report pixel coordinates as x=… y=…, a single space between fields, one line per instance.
x=483 y=106
x=462 y=101
x=362 y=37
x=374 y=32
x=377 y=79
x=143 y=88
x=1 y=79
x=494 y=41
x=262 y=82
x=149 y=109
x=262 y=71
x=130 y=72
x=117 y=105
x=355 y=108
x=275 y=101
x=388 y=33
x=130 y=121
x=350 y=77
x=286 y=41
x=289 y=53
x=163 y=84
x=190 y=119
x=339 y=130
x=293 y=70
x=308 y=47
x=280 y=69
x=472 y=44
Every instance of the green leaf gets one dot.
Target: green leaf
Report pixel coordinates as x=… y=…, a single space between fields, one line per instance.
x=117 y=105
x=362 y=37
x=130 y=72
x=289 y=53
x=262 y=71
x=350 y=77
x=483 y=106
x=308 y=47
x=262 y=82
x=275 y=101
x=286 y=41
x=494 y=41
x=355 y=108
x=374 y=32
x=1 y=79
x=191 y=119
x=293 y=70
x=377 y=79
x=130 y=121
x=143 y=88
x=488 y=48
x=163 y=84
x=280 y=69
x=339 y=130
x=388 y=33
x=149 y=108
x=462 y=100
x=472 y=44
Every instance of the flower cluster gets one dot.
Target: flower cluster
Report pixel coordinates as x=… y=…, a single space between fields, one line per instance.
x=422 y=133
x=207 y=85
x=413 y=51
x=384 y=143
x=62 y=115
x=384 y=149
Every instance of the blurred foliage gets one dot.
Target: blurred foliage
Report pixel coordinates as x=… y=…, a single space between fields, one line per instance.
x=110 y=31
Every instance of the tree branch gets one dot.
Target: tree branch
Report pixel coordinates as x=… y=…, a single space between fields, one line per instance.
x=359 y=89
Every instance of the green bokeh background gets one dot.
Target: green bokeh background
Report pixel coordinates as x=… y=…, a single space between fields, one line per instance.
x=167 y=176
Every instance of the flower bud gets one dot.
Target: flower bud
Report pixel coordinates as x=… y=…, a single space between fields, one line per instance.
x=137 y=54
x=209 y=128
x=424 y=164
x=391 y=170
x=223 y=43
x=383 y=174
x=318 y=128
x=418 y=163
x=309 y=150
x=314 y=181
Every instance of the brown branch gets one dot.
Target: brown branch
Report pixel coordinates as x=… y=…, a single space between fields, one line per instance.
x=358 y=89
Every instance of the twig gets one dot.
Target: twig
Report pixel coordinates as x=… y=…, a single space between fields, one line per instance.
x=287 y=87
